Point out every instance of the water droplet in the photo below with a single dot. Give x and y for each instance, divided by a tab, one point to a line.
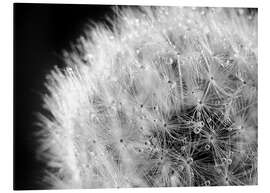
170	61
69	70
207	183
229	128
189	160
223	160
183	148
201	124
197	130
181	168
207	147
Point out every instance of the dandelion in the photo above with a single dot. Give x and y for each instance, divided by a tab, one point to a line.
168	97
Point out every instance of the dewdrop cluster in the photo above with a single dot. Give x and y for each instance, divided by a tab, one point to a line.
167	97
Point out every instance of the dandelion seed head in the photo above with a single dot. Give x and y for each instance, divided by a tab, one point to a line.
158	101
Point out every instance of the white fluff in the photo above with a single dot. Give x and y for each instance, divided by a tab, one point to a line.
167	98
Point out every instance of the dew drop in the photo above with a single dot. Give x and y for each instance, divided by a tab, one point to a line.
181	168
207	183
223	160
69	70
229	128
197	130
183	148
201	124
189	160
170	60
207	147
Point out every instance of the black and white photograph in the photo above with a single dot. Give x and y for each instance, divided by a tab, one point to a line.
134	96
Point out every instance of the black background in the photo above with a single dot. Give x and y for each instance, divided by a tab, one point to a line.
41	32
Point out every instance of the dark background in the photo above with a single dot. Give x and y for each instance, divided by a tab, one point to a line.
41	32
